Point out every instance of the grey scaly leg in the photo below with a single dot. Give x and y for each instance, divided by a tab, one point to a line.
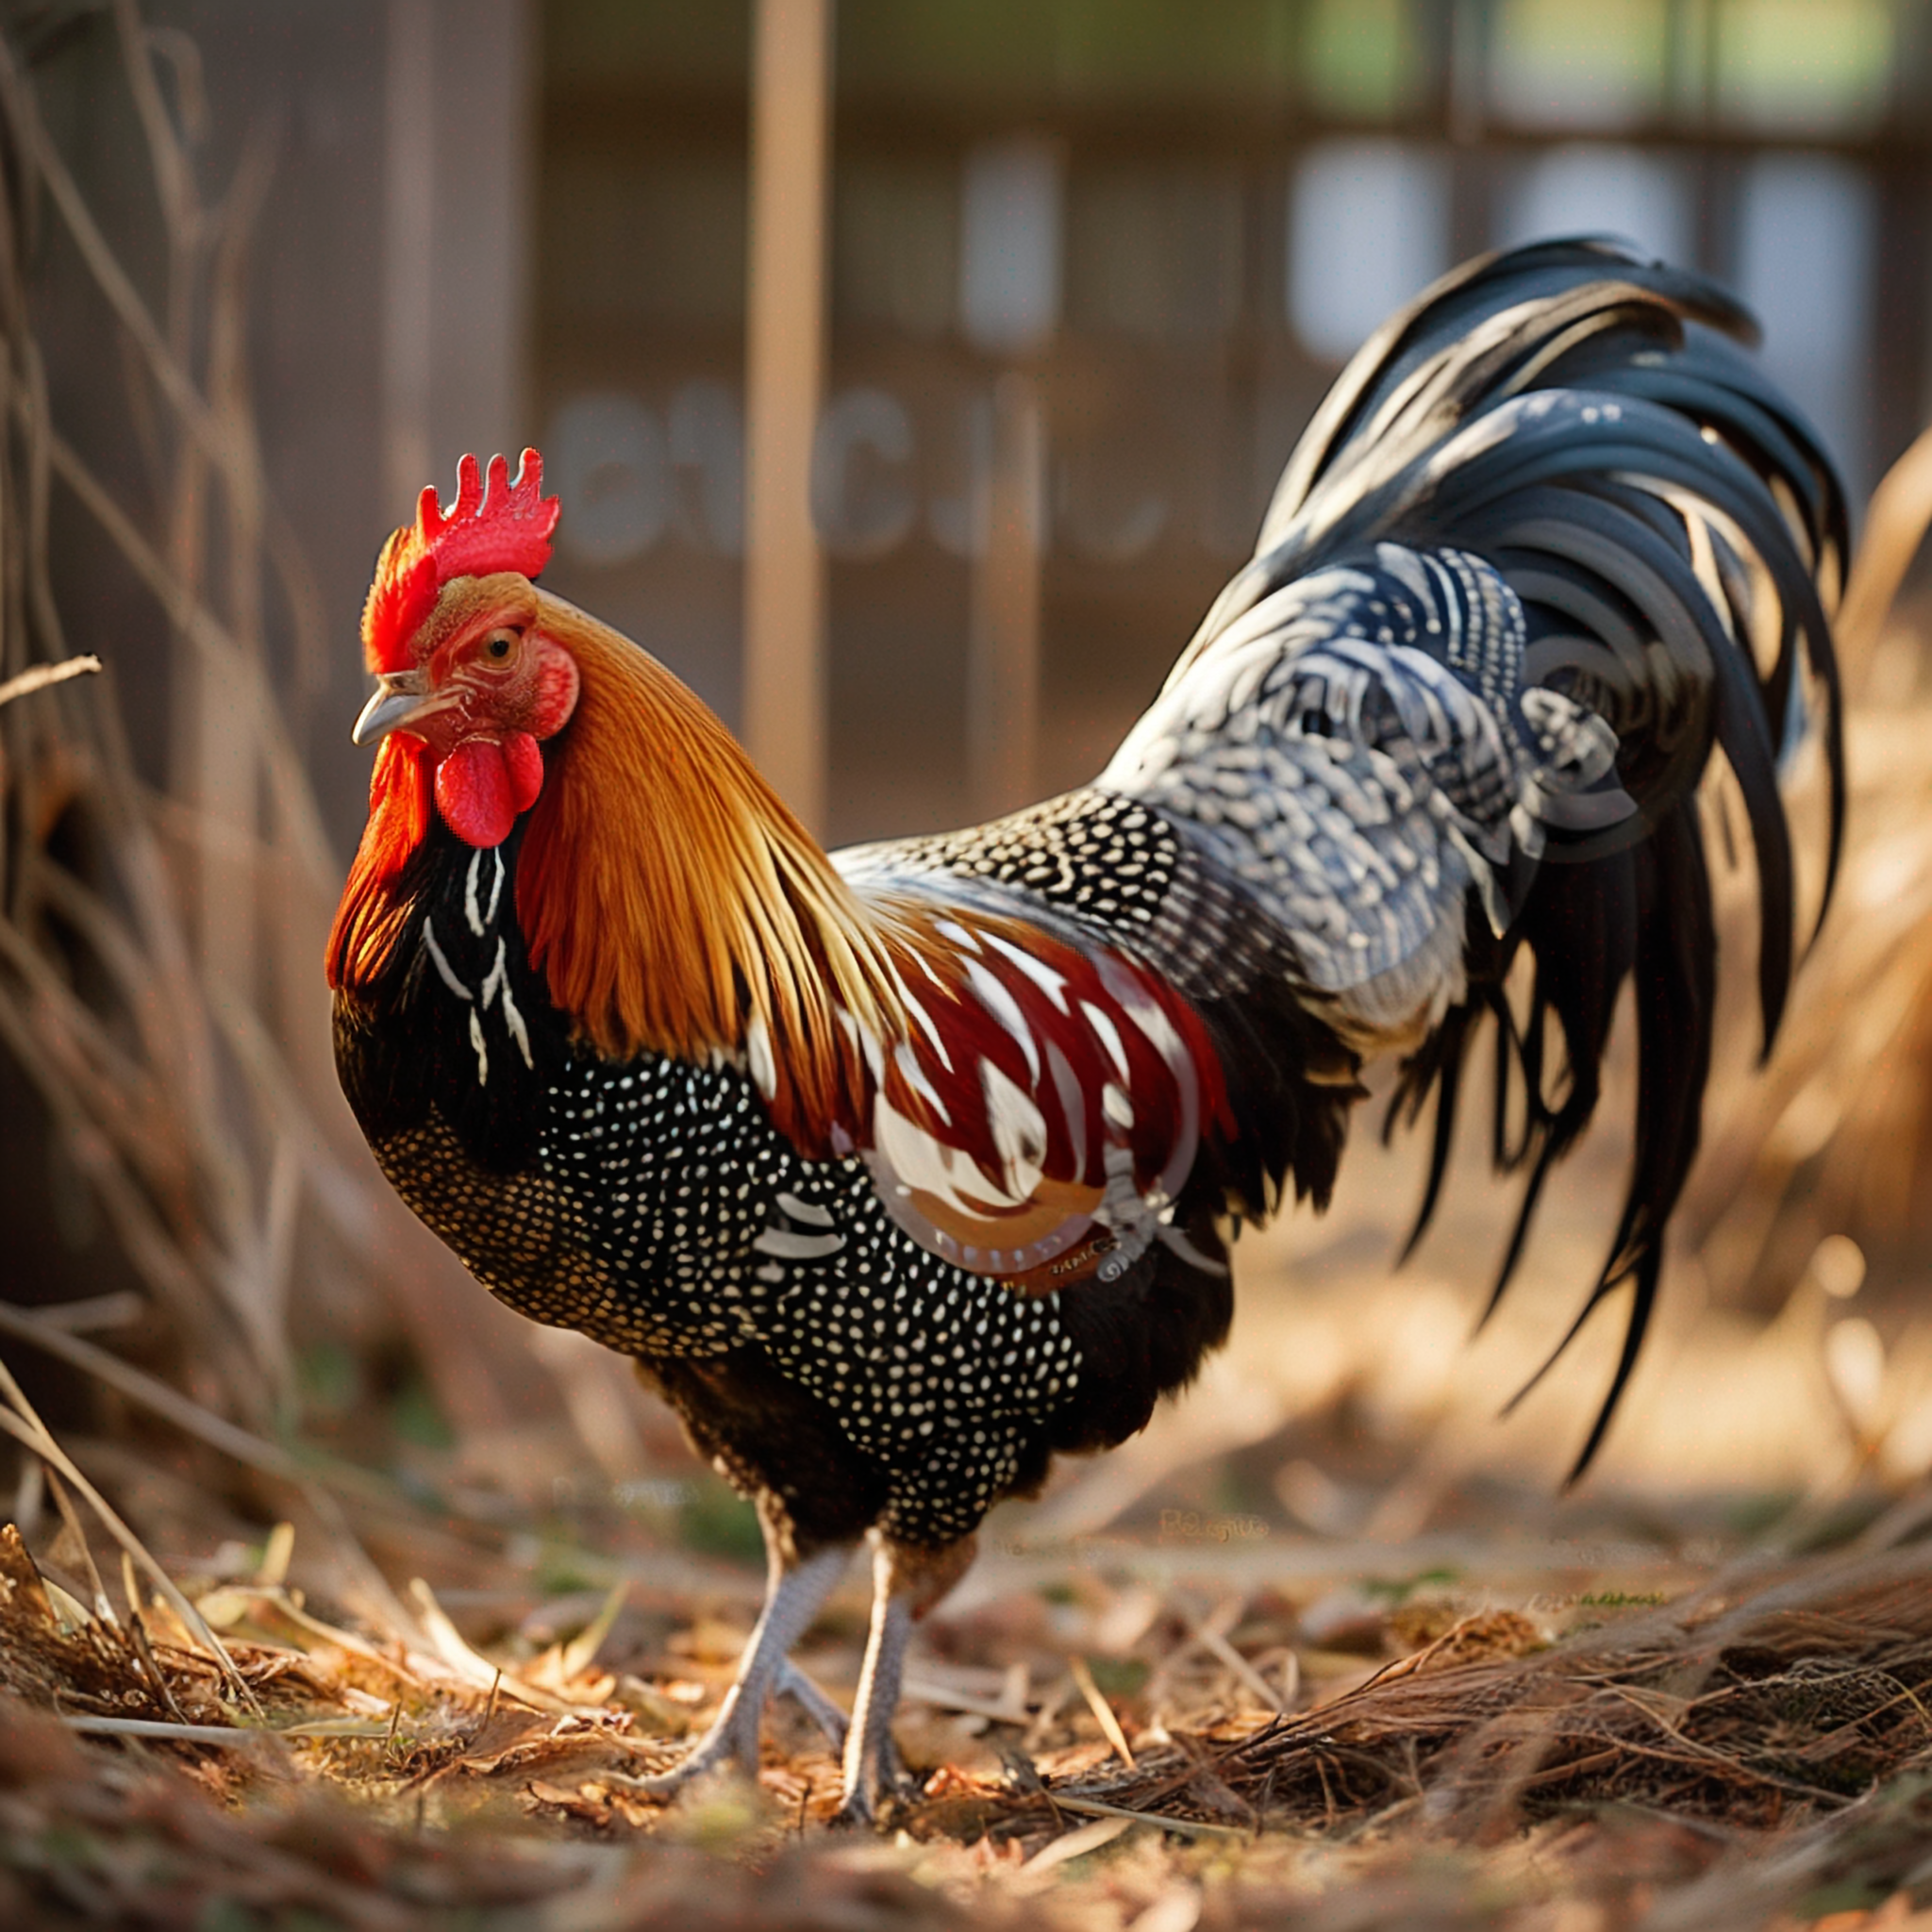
794	1684
793	1597
872	1759
907	1580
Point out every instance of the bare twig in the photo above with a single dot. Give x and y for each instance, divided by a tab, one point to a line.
154	1394
1187	1827
1895	524
1213	1637
112	279
43	675
161	1732
294	802
1103	1711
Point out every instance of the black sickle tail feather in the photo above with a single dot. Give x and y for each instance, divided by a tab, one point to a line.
1555	410
1676	976
1292	1084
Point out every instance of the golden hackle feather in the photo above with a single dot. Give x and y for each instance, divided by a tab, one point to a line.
673	902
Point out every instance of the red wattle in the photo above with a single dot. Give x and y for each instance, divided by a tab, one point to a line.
475	794
525	764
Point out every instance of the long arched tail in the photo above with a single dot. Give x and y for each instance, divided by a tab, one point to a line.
1574	417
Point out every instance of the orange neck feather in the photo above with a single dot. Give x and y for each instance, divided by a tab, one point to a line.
672	903
670	900
369	920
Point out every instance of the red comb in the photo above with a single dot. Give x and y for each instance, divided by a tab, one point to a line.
503	526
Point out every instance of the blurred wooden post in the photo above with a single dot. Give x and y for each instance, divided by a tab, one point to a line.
1003	653
1011	221
784	709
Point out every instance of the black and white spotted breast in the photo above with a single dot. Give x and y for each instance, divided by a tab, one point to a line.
653	1205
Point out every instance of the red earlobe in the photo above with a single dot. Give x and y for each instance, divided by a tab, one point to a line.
523	762
557	683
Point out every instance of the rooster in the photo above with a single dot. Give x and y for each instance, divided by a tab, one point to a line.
901	1170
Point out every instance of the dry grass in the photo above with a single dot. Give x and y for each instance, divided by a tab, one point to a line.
1755	1749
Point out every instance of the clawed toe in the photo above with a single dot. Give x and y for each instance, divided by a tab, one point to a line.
731	1744
891	1783
862	1808
695	1764
853	1816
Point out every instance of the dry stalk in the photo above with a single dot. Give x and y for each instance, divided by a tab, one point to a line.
19	1419
1895	524
1835	1136
43	675
1762	1700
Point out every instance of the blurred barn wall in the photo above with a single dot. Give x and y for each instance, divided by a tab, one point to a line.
301	84
498	220
363	351
1128	245
389	285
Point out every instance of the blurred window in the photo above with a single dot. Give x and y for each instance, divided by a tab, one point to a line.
1806	248
1368	229
1363	58
1174	218
1587	188
1554	63
1011	218
1804	66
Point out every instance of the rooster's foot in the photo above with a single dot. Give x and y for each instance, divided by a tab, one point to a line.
874	1769
732	1743
861	1807
791	1600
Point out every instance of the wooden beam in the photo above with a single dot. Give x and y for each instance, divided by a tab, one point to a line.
784	710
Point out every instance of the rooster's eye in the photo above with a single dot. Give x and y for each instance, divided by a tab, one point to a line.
499	645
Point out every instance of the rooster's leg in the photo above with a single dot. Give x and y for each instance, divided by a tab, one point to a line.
872	1758
794	1684
793	1597
907	1582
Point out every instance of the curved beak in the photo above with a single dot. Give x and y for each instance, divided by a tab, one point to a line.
401	698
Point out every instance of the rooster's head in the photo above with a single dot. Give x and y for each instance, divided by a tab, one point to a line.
465	675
